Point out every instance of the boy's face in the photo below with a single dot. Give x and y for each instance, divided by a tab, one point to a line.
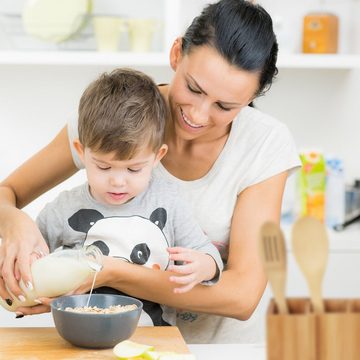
115	182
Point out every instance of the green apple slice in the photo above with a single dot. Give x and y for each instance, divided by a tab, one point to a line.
129	349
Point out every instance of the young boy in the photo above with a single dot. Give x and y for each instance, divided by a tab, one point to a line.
124	209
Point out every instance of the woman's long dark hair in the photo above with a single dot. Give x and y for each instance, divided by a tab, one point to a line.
242	33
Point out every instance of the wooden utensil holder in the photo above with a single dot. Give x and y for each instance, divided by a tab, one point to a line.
304	335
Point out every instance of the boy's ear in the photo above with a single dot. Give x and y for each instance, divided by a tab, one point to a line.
79	149
161	153
176	53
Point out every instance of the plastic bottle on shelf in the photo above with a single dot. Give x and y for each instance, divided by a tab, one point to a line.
58	273
335	192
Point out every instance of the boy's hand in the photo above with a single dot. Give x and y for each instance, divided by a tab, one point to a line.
197	267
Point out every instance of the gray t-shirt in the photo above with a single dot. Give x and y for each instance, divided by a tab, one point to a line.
139	231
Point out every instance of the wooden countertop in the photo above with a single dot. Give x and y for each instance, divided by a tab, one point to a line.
45	343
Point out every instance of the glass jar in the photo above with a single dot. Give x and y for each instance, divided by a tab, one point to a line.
59	273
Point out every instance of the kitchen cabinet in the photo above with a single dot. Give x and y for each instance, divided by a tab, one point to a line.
342	276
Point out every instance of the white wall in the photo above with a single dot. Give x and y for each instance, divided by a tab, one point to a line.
322	109
36	102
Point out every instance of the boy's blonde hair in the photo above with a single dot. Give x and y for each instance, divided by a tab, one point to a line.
122	112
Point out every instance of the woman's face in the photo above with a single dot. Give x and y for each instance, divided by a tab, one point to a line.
207	92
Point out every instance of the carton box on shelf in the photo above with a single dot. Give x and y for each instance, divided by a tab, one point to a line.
311	184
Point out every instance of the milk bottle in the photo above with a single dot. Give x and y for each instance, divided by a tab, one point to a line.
59	273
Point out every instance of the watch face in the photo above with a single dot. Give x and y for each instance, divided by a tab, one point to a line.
53	20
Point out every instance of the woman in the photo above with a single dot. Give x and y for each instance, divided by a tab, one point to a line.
231	160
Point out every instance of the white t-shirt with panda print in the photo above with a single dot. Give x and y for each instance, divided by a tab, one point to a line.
258	147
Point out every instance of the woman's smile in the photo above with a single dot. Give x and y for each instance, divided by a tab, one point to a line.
188	123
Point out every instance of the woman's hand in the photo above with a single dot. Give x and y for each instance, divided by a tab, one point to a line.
44	302
20	235
197	267
22	243
44	307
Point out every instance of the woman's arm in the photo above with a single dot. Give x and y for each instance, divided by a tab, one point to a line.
20	235
242	283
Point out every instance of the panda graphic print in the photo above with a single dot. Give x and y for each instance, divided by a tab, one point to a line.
124	237
139	232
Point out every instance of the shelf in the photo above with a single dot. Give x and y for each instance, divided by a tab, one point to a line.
83	58
323	61
93	58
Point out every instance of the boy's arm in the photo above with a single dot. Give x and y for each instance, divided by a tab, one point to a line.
201	260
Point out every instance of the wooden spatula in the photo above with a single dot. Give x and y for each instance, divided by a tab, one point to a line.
310	248
273	254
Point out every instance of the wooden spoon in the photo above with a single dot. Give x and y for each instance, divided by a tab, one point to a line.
273	254
310	248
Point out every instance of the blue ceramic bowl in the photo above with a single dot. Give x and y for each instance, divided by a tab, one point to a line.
97	331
